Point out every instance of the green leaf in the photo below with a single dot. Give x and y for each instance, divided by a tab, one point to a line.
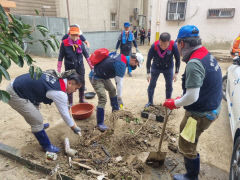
57	43
4	72
9	51
20	61
18	49
4	96
45	46
0	77
43	33
36	11
29	59
38	72
51	44
3	16
42	28
6	62
31	71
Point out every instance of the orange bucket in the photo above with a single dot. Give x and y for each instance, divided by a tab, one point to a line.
82	111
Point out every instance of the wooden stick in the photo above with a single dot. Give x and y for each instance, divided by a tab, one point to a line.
95	172
141	127
81	165
81	160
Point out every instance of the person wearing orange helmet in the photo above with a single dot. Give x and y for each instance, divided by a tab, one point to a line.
236	47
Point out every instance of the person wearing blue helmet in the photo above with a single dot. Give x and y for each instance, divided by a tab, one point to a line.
202	95
125	40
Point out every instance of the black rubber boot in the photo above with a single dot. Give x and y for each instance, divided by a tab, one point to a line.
192	166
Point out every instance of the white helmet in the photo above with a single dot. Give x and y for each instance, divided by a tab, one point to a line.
140	59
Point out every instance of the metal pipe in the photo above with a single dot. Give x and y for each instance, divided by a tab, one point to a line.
68	12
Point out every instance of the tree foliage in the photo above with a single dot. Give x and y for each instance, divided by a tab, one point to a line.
14	34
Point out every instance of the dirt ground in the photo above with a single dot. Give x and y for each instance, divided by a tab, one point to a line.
215	144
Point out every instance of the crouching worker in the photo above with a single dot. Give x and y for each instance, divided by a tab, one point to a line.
27	94
106	67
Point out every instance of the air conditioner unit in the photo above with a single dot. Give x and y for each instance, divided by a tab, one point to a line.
135	10
173	16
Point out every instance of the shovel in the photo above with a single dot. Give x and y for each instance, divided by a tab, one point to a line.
157	158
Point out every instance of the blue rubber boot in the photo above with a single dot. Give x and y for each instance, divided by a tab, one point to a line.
192	166
114	103
46	125
44	141
100	120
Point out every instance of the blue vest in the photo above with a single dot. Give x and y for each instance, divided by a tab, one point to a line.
126	44
210	95
107	69
35	90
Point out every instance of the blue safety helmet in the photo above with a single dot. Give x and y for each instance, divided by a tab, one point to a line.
188	31
127	24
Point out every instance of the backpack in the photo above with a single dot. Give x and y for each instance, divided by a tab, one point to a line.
98	56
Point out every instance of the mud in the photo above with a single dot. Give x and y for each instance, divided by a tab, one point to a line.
128	137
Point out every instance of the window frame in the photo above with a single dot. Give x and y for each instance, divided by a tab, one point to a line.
113	23
231	10
176	13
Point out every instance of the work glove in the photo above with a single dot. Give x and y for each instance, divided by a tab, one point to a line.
120	102
76	130
148	77
137	50
89	63
170	103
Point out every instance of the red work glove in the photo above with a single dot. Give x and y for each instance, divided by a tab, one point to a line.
170	103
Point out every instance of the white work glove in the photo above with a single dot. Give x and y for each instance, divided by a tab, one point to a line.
175	77
148	77
76	130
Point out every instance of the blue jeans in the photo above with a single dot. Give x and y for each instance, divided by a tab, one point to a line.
168	76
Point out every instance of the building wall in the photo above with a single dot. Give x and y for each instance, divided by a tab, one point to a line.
94	15
27	7
215	33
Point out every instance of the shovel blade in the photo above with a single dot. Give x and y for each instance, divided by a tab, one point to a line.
156	158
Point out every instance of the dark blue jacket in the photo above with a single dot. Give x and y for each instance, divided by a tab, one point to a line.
210	95
167	61
35	90
111	67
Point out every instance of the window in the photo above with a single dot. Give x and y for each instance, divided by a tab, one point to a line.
113	20
176	10
221	13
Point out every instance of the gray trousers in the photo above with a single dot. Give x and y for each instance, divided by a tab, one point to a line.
24	107
100	85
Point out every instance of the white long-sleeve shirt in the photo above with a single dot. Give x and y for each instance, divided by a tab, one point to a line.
60	99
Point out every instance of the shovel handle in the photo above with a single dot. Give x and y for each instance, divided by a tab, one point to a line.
163	129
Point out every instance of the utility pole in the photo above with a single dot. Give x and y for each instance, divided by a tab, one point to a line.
155	22
68	12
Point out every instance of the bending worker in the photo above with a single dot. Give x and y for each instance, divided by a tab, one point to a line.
125	41
110	67
73	50
202	95
162	53
236	47
27	94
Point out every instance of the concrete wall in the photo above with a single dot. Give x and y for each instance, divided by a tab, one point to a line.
94	15
58	26
215	33
27	7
